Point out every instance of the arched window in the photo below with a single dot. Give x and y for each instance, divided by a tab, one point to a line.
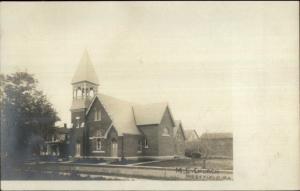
140	145
98	145
82	124
91	92
97	116
79	92
165	132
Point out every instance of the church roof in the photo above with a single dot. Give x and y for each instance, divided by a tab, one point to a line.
177	123
120	113
191	134
85	70
149	114
178	126
127	116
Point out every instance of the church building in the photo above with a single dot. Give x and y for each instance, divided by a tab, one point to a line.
107	127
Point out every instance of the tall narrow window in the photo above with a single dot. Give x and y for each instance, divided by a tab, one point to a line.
79	92
91	92
97	115
77	122
82	124
146	143
98	145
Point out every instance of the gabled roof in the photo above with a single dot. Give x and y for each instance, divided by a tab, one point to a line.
120	113
178	126
217	135
85	70
126	116
149	114
177	122
190	133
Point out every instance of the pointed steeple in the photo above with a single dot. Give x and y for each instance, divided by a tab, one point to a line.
85	71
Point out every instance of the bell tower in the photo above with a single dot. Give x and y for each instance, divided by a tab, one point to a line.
84	88
85	83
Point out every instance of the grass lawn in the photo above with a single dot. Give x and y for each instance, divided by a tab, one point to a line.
217	164
17	174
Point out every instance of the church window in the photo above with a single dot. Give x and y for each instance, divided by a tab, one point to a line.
98	145
146	143
79	92
77	121
97	116
91	92
165	132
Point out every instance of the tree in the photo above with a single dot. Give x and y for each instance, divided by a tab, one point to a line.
27	117
205	149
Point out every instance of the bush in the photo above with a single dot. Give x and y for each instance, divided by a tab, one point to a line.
196	155
188	153
192	154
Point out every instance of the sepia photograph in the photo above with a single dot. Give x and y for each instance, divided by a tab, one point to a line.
109	95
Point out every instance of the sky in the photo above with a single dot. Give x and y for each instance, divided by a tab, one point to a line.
197	56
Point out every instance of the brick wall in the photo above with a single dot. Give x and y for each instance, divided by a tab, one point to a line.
179	143
78	113
166	143
106	144
131	145
102	125
75	138
151	133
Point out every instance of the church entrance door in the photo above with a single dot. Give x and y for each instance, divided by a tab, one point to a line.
114	148
77	150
